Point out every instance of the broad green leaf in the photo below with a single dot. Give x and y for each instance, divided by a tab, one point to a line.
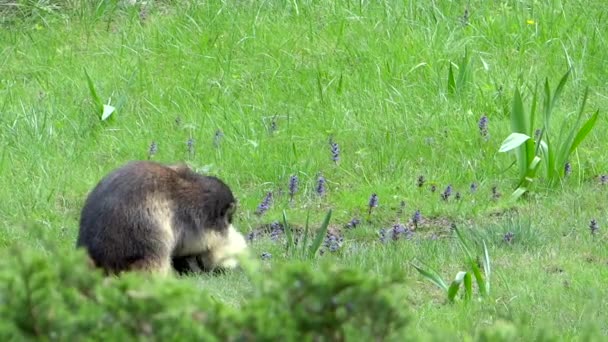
463	244
582	133
432	276
481	284
451	82
462	70
320	235
560	87
519	119
513	141
107	111
547	105
518	192
486	266
468	287
455	285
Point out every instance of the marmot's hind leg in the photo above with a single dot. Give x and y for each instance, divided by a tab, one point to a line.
158	266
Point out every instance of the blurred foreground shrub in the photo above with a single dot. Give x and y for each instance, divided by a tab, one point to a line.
53	294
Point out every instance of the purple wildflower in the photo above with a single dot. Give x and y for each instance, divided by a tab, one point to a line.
465	17
217	138
265	205
395	233
273	124
265	256
483	126
333	242
275	230
353	223
416	218
321	186
293	186
604	179
495	193
473	187
190	145
401	208
567	169
382	234
373	202
508	238
335	152
421	181
593	226
152	150
447	193
433	187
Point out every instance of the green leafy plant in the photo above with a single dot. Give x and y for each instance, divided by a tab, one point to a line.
104	110
463	278
303	250
553	149
457	84
52	294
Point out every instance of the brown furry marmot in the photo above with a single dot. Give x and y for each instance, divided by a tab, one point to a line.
146	216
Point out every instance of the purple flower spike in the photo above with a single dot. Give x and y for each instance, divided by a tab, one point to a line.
567	169
217	138
421	181
265	205
373	202
483	126
321	186
593	226
335	152
508	238
293	186
473	187
152	150
353	223
190	145
604	179
447	193
416	218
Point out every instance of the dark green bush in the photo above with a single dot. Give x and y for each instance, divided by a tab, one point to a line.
55	295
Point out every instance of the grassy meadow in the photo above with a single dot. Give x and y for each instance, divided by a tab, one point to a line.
255	91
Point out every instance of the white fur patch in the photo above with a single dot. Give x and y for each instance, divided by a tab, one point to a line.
225	248
161	211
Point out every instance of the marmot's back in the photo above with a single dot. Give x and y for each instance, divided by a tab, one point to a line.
127	217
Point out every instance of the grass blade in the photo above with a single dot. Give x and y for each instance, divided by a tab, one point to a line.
486	266
468	287
582	133
305	239
94	95
432	276
455	285
288	232
451	81
558	90
320	235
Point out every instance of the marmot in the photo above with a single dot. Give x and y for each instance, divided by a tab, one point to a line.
146	215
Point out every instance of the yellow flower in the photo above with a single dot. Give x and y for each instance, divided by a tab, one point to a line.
530	22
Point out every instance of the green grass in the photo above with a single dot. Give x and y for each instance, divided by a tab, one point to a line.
372	75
